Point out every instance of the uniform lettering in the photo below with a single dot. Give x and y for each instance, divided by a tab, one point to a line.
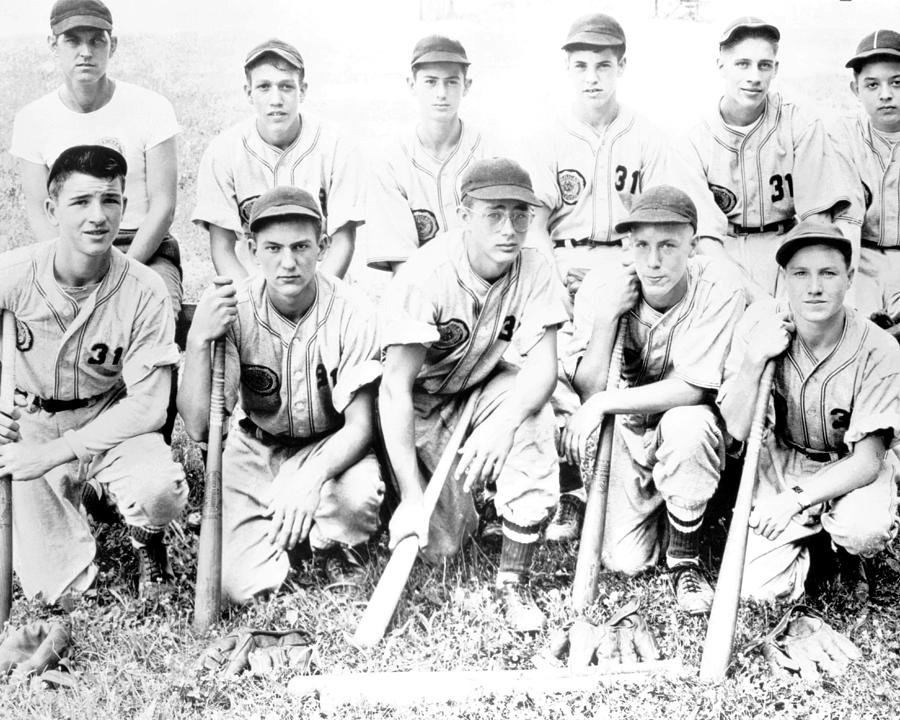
621	174
840	419
778	182
99	352
321	376
506	332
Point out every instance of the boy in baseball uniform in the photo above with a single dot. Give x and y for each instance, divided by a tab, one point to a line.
824	462
95	351
415	183
279	145
589	166
676	313
449	315
301	362
91	107
762	159
867	144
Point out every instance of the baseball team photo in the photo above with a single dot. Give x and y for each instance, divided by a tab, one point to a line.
445	358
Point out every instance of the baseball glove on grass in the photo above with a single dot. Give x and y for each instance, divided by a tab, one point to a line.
34	649
262	652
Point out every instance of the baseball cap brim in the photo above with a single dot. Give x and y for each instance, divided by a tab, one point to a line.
505	192
440	56
788	249
653	216
750	25
77	21
288	57
860	58
285	211
593	38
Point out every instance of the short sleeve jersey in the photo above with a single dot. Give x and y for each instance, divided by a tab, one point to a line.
134	121
770	172
296	379
413	196
238	166
828	404
688	341
873	165
465	323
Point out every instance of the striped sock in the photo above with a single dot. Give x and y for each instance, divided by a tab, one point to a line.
517	551
684	538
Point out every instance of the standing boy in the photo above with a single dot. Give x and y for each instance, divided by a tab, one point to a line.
279	145
95	341
868	145
301	360
449	315
823	464
676	314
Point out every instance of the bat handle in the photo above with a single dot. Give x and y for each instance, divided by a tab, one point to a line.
7	404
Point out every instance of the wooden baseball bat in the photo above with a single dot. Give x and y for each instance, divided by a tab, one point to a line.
208	590
386	595
587	566
7	402
723	616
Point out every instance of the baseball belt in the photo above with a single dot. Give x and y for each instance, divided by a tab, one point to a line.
817	455
168	247
53	405
781	226
586	242
267	438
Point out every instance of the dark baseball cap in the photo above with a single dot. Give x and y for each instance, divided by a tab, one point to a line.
498	178
68	14
812	232
285	51
283	201
660	204
880	42
91	159
438	48
595	29
740	26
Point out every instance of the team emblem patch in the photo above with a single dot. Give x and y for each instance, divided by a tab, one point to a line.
24	337
426	225
571	185
867	195
113	143
260	379
453	334
725	199
245	208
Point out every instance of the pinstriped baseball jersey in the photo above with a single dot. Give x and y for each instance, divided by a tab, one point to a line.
413	196
466	323
239	166
829	404
295	380
689	341
874	169
771	172
114	339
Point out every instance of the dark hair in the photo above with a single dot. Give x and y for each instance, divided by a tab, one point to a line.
263	223
271	58
742	34
862	62
619	50
98	161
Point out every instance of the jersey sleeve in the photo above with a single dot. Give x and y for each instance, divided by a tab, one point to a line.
216	198
25	141
840	139
877	405
390	227
359	363
541	166
146	372
740	340
815	160
346	185
587	299
408	312
160	120
546	306
690	176
233	366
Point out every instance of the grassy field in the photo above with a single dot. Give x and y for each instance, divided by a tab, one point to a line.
137	662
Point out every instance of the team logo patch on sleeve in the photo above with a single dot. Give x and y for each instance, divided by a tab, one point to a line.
260	379
725	199
426	225
245	208
24	337
571	185
454	333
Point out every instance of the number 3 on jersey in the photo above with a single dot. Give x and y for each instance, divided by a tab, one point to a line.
778	183
100	353
622	178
